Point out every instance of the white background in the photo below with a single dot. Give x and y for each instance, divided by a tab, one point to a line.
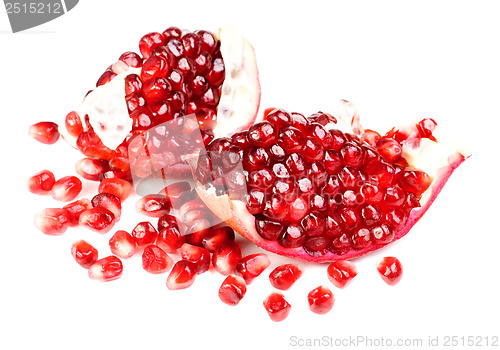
398	61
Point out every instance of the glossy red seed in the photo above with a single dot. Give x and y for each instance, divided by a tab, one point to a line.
414	180
52	221
91	169
371	137
97	219
341	273
122	244
320	300
154	67
177	192
390	149
105	78
44	132
84	253
73	124
262	134
182	275
144	233
42	182
232	290
284	276
251	266
149	42
75	209
199	256
155	260
269	229
391	270
293	237
278	117
217	237
153	205
131	59
226	257
110	202
115	186
66	188
106	269
277	307
291	139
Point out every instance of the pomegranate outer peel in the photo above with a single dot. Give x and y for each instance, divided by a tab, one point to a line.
445	159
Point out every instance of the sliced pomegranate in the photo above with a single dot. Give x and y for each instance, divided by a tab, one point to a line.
144	233
226	257
354	199
251	266
155	260
154	205
182	275
106	269
284	276
75	209
320	300
122	244
44	132
199	256
277	307
52	221
232	290
66	188
341	273
42	182
391	270
84	253
97	219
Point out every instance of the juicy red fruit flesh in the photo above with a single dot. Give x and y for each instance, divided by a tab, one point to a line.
52	221
44	132
84	253
122	244
284	276
341	273
97	219
252	266
182	275
42	182
66	188
391	270
232	290
277	307
106	269
155	260
320	300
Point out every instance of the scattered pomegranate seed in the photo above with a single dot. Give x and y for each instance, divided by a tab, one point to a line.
391	270
217	237
170	237
199	256
277	307
320	300
118	187
42	182
155	260
122	244
144	233
182	275
232	290
341	273
251	266
153	205
84	254
284	276
226	257
97	219
106	269
66	188
91	169
44	132
110	202
73	124
52	221
178	193
75	209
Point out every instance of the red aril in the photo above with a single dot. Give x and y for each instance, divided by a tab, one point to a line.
155	260
251	266
232	290
171	233
341	273
153	205
66	188
277	307
91	169
44	132
97	219
83	253
391	270
199	256
217	237
226	257
182	275
284	276
178	193
106	269
52	221
110	202
144	233
320	300
42	182
122	244
75	209
115	186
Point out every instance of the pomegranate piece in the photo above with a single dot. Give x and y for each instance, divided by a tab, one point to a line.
45	132
199	256
84	254
391	270
115	186
106	269
232	290
75	209
122	244
66	188
320	300
277	307
341	273
110	202
155	260
91	169
251	266
284	276
52	221
97	219
42	182
153	205
144	233
217	237
182	275
226	257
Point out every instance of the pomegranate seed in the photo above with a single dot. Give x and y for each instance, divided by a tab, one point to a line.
131	59
44	132
149	42
414	180
269	229
75	209
371	137
52	221
155	260
216	75
226	257
341	273
118	187
277	307
262	134
217	237
154	67
278	117
73	124
199	256
97	219
42	182
110	202
83	253
106	269
178	193
293	236
284	276
291	139
105	78
91	169
382	234
320	300
122	244
66	188
252	266
182	275
144	233
390	149
391	270
232	290
153	205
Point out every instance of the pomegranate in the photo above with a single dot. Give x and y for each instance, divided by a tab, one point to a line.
391	270
313	192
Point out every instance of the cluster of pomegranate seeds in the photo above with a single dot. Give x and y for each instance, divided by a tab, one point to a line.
312	187
391	270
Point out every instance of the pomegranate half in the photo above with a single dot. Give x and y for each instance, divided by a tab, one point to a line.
324	188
